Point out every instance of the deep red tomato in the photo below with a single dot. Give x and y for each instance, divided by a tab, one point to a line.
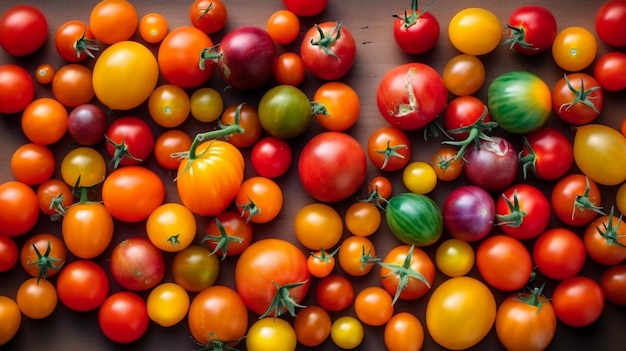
131	193
74	42
332	166
328	50
464	114
523	211
179	57
20	208
532	29
208	15
547	153
416	31
613	284
578	301
504	262
334	293
577	98
389	148
123	317
18	88
610	22
23	30
130	141
8	253
236	236
605	239
407	272
271	157
609	70
576	200
136	264
306	8
559	253
82	285
412	95
87	124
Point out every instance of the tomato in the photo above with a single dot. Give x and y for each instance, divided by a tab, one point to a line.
169	105
283	26
125	74
312	325
419	177
417	31
389	148
270	333
414	219
8	253
153	27
609	23
132	193
547	153
609	71
574	48
446	164
289	69
23	30
504	262
167	304
620	199
87	124
475	31
36	299
123	317
231	236
209	178
194	268
469	213
43	255
411	96
271	157
523	211
577	98
259	199
72	85
379	190
44	73
493	165
347	332
578	301
559	253
285	111
466	115
168	143
613	282
171	227
179	56
576	200
271	268
136	264
334	293
463	74
407	272
605	239
113	21
85	164
597	149
20	209
519	101
82	285
32	164
321	263
74	41
12	316
328	50
532	30
354	255
206	104
362	218
18	87
404	331
373	306
332	166
87	228
130	141
526	321
342	105
248	118
217	316
44	121
450	313
208	16
454	257
306	8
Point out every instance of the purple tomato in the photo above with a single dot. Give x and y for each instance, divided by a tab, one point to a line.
87	124
493	166
469	213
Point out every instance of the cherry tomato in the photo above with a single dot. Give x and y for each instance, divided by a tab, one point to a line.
576	200
74	42
613	283
322	44
194	268
523	211
82	285
342	105
417	31
318	225
609	23
289	69
87	228
208	15
44	73
547	153
379	189
312	325
605	239
574	48
362	218
609	71
306	8
347	332
446	164
248	120
113	21
504	262
123	317
84	163
454	257
207	104
321	263
153	27
271	157
43	255
23	30
236	236
259	199
169	105
283	26
475	31
578	301
32	164
559	253
404	331
271	334
171	227
130	141
169	143
354	254
389	148
577	98
18	87
12	317
8	254
531	30
419	177
20	209
36	299
373	306
407	261
334	293
463	74
44	121
167	304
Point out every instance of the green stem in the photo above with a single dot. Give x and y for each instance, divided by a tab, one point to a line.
411	19
476	132
580	96
516	215
404	273
327	40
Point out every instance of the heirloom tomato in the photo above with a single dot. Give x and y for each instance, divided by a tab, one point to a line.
74	41
373	306
504	262
347	332
169	105
389	148
82	285
407	272
112	21
532	29
269	333
217	316
576	200
598	152
578	301
153	27
414	219
547	153
559	253
136	264
463	74
451	317
306	8
454	257
132	193
130	141
12	319
124	75
411	96
32	163
574	48
18	88
404	331
209	16
87	124
8	254
475	31
228	234
289	69
20	208
613	283
609	71
355	254
207	104
523	211
605	239
469	213
194	268
577	98
272	277
419	177
271	157
87	228
328	50
283	26
169	143
610	23
259	199
168	304
43	255
23	30
171	227
248	117
285	111
36	299
362	218
334	293
83	164
179	57
123	317
519	101
44	121
417	31
312	325
342	105
493	165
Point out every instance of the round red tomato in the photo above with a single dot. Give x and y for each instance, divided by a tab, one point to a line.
74	42
328	50
23	30
532	29
136	264
523	211
179	57
547	153
168	143
465	114
577	98
20	208
334	293
271	157
18	88
130	140
578	301
123	317
8	253
417	31
208	15
559	253
504	262
610	22
609	70
306	8
228	234
605	239
389	148
613	284
576	200
82	285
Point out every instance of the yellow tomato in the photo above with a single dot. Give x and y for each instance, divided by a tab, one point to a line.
318	226
600	153
169	105
574	48
362	218
454	257
168	304
207	104
271	334
171	227
419	177
124	75
475	31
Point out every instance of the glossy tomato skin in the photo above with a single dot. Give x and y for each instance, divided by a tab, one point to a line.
54	197
318	226
74	42
194	268
605	239
404	331
342	105
389	148
239	231
168	143
609	71
332	166
532	28
32	164
469	213
8	253
82	285
578	301
534	205
87	124
328	50
463	112
53	255
44	121
574	48
12	316
463	74
493	166
113	21
577	98
559	253
136	264
123	317
20	209
504	262
259	199
207	15
306	8
168	304
610	23
613	283
130	141
415	219
312	325
419	262
576	200
334	293
410	96
475	31
23	30
37	299
72	85
284	111
87	229
132	193
179	55
597	149
271	157
18	88
171	227
547	153
417	31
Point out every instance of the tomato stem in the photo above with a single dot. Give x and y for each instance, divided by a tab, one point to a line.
582	202
211	54
581	95
534	298
390	151
516	215
325	256
121	151
411	19
86	46
404	273
44	262
517	35
283	300
327	40
205	11
476	132
222	240
529	160
251	208
610	233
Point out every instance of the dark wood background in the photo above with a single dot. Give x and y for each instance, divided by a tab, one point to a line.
370	22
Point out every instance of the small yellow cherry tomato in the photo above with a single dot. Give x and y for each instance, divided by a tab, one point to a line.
168	304
419	177
207	104
454	257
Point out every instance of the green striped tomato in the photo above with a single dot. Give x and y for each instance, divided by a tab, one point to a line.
415	219
519	101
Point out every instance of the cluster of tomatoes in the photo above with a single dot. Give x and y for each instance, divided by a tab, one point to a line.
122	205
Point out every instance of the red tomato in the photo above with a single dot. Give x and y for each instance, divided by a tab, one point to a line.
234	236
328	50
18	88
464	114
136	264
131	193
74	42
610	22
389	148
312	325
32	164
306	8
334	293
23	30
43	255
523	211
168	143
271	157
559	253
208	15
248	120
54	197
504	262
576	200
417	31
532	29
407	272
20	208
123	317
547	153
609	70
130	141
8	253
577	98
179	57
605	239
112	21
289	69
613	284
578	301
82	285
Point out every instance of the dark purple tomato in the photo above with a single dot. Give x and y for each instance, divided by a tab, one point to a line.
493	166
469	213
87	124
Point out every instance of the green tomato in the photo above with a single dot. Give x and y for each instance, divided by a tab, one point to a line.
285	111
415	219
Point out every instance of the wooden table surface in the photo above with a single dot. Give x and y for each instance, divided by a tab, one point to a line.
370	22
